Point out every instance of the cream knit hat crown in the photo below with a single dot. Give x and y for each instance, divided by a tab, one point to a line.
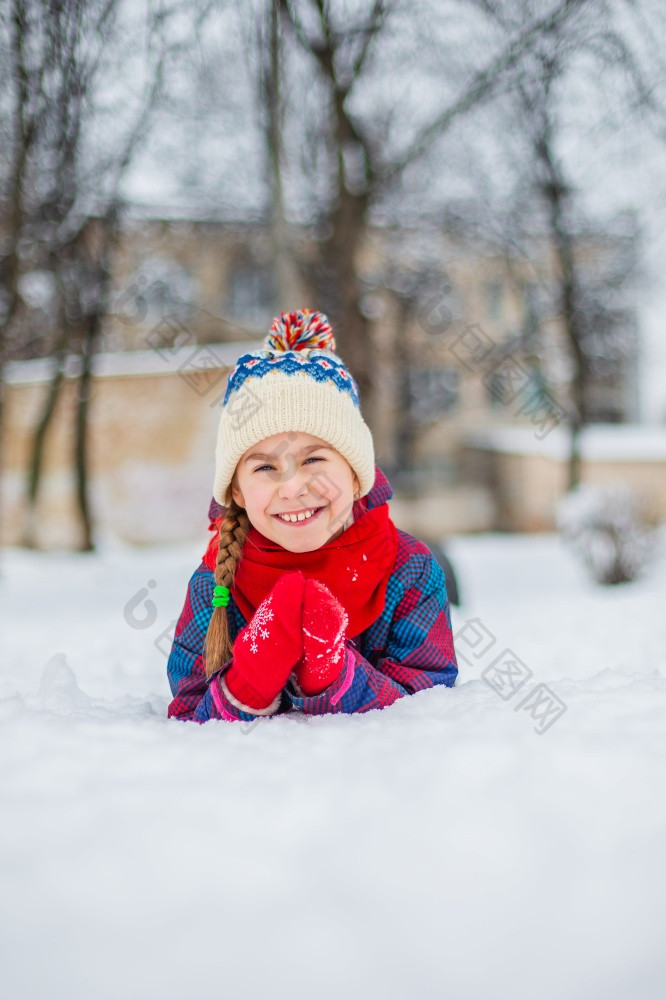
296	383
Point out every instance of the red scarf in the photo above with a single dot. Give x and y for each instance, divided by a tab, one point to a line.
355	567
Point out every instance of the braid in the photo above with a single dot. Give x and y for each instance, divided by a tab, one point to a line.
233	531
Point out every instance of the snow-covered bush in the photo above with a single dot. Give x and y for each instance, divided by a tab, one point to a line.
608	526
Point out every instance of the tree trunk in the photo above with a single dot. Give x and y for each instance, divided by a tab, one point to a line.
556	193
284	271
81	439
335	276
13	198
36	460
99	271
570	316
405	433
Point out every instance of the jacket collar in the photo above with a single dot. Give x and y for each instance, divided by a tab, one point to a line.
381	492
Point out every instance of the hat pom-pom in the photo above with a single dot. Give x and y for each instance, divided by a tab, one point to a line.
300	331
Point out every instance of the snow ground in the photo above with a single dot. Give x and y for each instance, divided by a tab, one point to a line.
440	848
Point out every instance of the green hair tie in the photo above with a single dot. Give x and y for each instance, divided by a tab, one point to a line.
220	596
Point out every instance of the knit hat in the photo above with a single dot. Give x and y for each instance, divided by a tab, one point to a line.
295	383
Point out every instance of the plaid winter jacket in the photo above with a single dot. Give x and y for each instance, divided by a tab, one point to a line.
407	649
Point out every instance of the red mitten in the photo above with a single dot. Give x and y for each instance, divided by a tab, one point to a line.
268	648
324	627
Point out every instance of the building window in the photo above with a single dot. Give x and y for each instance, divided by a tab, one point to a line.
432	392
496	390
160	288
511	387
493	291
251	294
530	294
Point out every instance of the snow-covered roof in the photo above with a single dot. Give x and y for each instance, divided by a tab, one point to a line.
600	442
166	361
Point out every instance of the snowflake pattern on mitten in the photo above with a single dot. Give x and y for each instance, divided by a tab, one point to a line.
257	628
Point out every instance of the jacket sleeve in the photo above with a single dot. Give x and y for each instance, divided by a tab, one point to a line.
195	696
410	648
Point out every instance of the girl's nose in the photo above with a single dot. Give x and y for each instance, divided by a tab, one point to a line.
293	486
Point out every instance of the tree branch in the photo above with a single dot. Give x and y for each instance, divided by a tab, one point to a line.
483	84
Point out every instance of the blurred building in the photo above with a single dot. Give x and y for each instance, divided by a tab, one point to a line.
466	344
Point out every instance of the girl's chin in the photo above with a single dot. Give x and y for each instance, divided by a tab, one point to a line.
293	547
303	540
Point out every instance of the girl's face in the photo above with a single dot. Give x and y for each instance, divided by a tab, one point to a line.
296	490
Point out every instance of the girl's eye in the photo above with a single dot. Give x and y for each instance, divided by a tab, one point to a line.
311	458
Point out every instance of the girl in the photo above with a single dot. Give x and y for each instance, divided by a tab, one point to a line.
307	599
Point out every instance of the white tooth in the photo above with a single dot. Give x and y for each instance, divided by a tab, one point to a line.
298	517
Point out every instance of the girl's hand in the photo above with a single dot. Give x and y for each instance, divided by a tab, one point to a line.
324	628
268	648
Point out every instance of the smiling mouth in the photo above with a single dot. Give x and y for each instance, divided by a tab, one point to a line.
302	517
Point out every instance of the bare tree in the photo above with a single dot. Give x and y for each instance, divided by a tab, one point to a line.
264	53
592	273
337	147
62	192
367	166
21	122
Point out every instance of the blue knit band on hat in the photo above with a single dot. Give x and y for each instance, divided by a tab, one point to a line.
321	366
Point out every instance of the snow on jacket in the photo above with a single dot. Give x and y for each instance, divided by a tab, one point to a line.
408	648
